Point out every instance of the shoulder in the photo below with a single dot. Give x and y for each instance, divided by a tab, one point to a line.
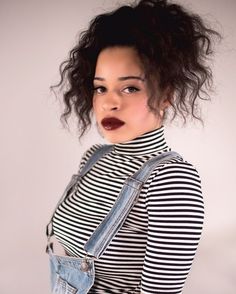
176	166
174	176
89	152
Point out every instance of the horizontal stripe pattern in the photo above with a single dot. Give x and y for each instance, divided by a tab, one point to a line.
154	249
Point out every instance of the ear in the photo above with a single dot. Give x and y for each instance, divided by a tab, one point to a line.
167	97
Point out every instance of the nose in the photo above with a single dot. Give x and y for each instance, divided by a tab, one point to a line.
111	103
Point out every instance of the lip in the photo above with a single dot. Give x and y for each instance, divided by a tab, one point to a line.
111	123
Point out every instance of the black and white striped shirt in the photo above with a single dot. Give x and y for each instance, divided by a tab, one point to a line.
154	249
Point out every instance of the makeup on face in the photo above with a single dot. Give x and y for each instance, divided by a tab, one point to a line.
111	123
120	100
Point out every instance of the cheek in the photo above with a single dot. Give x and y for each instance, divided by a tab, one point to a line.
141	108
95	105
143	114
93	101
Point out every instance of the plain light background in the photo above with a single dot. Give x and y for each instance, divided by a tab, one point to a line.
37	156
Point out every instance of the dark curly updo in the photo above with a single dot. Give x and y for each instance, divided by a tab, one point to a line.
173	46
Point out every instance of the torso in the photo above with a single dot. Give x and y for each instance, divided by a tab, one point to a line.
120	267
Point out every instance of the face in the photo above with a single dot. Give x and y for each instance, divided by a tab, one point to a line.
120	100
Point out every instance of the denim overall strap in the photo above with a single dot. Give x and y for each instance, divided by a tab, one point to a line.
95	157
74	180
128	196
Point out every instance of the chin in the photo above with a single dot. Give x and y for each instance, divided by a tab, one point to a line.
118	139
113	141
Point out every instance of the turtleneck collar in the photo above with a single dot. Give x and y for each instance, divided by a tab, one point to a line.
150	142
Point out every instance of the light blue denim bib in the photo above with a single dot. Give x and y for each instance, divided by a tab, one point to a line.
71	275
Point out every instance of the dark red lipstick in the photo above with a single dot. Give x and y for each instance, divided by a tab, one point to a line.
111	123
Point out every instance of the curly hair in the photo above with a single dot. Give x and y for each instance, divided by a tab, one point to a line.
173	44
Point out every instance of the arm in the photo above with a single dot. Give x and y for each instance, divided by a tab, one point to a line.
175	218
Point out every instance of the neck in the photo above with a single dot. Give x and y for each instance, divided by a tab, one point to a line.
150	142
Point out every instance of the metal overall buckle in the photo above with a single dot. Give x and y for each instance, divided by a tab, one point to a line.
85	264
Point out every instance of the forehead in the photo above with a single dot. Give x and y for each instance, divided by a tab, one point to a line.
118	60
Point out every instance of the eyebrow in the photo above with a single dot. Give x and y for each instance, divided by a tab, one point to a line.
123	78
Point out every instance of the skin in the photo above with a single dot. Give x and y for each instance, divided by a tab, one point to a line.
120	91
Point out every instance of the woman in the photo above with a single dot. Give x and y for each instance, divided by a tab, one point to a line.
131	68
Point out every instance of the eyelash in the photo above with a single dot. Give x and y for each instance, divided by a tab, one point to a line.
131	89
96	89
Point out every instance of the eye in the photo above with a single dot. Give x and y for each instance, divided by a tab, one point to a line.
131	89
99	90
